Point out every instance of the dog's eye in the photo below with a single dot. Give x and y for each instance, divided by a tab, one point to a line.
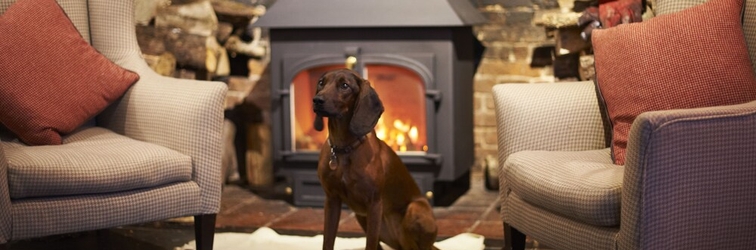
344	86
320	83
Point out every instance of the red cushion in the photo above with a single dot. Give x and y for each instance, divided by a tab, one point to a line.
52	79
688	59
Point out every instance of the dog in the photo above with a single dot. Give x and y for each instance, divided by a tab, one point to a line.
358	169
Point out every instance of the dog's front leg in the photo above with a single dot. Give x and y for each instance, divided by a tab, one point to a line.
373	230
331	226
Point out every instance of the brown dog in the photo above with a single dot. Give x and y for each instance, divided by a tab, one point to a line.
358	169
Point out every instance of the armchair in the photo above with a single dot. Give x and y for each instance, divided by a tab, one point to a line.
687	182
152	155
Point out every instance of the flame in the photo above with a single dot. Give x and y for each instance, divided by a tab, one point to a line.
413	134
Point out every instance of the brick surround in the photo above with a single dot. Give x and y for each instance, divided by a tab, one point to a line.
510	36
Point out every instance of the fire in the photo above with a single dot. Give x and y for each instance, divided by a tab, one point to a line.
402	136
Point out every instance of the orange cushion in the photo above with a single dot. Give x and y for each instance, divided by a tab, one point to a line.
684	60
52	80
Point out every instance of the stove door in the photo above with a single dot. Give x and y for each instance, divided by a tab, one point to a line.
403	125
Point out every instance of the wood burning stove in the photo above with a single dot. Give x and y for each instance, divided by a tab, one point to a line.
421	66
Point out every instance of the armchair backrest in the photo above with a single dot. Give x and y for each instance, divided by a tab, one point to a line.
749	29
75	9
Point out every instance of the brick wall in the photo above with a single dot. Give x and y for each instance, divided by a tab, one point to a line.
509	37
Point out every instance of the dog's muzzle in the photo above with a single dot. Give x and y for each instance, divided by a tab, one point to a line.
318	106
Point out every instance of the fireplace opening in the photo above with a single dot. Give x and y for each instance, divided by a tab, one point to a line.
420	64
402	91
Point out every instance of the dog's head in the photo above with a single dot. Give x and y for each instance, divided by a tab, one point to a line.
344	94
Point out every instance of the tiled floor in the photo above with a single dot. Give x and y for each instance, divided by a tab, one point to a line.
244	211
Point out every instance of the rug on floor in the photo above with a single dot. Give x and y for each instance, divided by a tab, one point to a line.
266	238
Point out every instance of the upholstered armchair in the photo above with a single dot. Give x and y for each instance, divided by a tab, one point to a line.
688	180
153	154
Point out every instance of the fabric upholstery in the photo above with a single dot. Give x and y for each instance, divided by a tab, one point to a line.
686	176
75	10
710	63
553	117
92	161
53	81
688	173
68	214
749	30
582	185
663	7
5	203
148	110
556	231
181	115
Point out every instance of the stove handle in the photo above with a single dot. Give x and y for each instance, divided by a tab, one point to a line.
280	95
434	94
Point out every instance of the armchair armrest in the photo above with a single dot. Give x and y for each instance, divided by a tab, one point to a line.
183	115
689	175
548	116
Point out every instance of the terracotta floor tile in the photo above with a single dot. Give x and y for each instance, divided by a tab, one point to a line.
303	219
449	228
255	213
490	229
459	213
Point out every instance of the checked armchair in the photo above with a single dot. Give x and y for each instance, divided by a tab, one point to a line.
153	154
689	175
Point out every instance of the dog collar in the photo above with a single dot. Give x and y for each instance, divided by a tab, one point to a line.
345	150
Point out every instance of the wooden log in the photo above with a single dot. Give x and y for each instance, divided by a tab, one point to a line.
194	51
163	64
145	10
234	44
259	163
194	18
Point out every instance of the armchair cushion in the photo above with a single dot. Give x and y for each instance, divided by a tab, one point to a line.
53	80
582	185
688	59
92	160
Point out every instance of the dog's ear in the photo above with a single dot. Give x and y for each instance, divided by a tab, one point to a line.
367	109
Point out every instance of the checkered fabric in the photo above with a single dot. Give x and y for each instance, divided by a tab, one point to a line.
76	11
749	30
553	117
554	230
67	214
582	185
749	19
689	181
92	161
182	115
5	203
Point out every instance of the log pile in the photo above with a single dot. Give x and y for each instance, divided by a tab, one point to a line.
214	40
197	37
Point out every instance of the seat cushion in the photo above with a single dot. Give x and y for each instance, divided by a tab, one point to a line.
582	185
92	160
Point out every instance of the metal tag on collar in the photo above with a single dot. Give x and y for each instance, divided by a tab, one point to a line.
332	162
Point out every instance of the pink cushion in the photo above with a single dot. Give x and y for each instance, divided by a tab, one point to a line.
52	79
684	60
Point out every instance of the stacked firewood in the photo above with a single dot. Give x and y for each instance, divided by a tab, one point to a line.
194	39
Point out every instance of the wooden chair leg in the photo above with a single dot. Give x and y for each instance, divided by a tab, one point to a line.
204	231
513	239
